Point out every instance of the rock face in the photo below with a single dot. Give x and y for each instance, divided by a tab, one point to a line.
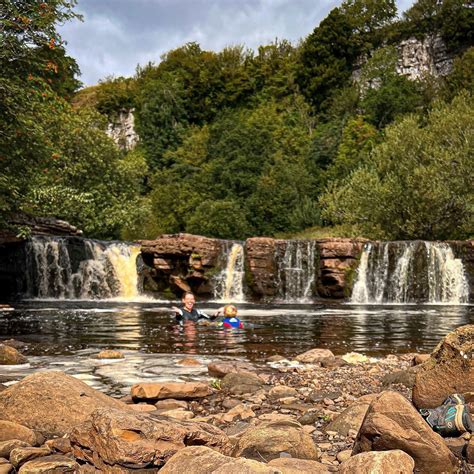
392	423
52	402
270	439
449	370
388	462
181	262
122	129
202	460
137	440
177	390
10	356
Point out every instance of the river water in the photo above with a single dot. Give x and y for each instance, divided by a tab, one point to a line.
67	335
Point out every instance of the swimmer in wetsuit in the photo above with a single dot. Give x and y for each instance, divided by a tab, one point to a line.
188	312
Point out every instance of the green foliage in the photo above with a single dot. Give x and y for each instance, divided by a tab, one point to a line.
417	183
115	94
462	75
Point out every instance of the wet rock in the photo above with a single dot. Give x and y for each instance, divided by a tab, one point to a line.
282	391
6	447
10	356
352	417
21	455
56	463
386	462
10	430
298	466
202	460
314	356
177	390
392	423
137	440
452	363
171	404
269	439
110	354
52	402
241	382
221	369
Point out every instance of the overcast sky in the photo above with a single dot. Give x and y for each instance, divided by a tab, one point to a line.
116	35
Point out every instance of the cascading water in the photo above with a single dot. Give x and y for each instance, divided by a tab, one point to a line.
229	284
410	272
69	268
297	271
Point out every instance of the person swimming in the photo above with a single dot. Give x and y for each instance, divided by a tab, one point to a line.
230	317
188	312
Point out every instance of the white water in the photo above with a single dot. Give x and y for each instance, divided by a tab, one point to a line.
443	274
297	271
229	284
102	270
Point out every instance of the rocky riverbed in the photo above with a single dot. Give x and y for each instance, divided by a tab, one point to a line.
316	413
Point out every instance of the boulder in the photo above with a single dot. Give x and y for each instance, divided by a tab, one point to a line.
221	369
178	414
393	423
352	417
5	466
420	358
377	462
110	354
269	439
10	356
63	445
403	377
9	430
54	464
52	402
282	391
119	438
6	447
298	466
171	404
239	383
153	392
202	460
314	356
19	456
457	446
452	363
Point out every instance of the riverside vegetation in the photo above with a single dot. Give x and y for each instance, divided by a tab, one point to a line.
238	143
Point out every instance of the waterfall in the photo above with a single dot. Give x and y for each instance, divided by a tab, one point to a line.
229	284
70	268
297	271
410	272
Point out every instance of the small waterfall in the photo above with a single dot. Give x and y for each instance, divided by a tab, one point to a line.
70	268
297	271
410	272
229	284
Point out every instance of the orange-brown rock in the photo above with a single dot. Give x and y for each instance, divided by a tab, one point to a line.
54	464
110	354
10	356
269	439
450	369
239	383
6	447
52	402
139	440
314	356
19	456
176	390
393	423
9	430
298	466
221	369
378	462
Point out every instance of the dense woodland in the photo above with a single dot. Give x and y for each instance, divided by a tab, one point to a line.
280	141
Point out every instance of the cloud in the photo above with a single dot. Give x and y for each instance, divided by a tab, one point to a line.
116	35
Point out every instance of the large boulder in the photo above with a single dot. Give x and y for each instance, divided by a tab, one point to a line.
450	369
392	423
314	356
269	439
9	430
176	390
202	460
119	438
377	462
10	356
52	402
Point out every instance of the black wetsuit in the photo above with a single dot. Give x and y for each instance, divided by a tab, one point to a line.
194	315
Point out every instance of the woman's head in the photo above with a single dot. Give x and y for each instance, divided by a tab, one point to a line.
188	300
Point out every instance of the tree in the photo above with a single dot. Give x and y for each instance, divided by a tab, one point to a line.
417	184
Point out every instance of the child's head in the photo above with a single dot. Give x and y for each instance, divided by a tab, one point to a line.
230	311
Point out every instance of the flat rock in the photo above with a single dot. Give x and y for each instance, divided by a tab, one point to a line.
54	464
19	456
176	390
297	466
393	423
202	460
9	430
314	356
282	391
138	440
171	404
178	414
10	356
6	447
452	363
386	462
110	354
269	439
52	402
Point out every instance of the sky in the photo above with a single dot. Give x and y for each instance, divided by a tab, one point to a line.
116	35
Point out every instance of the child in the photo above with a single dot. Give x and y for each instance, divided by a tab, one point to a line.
230	317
